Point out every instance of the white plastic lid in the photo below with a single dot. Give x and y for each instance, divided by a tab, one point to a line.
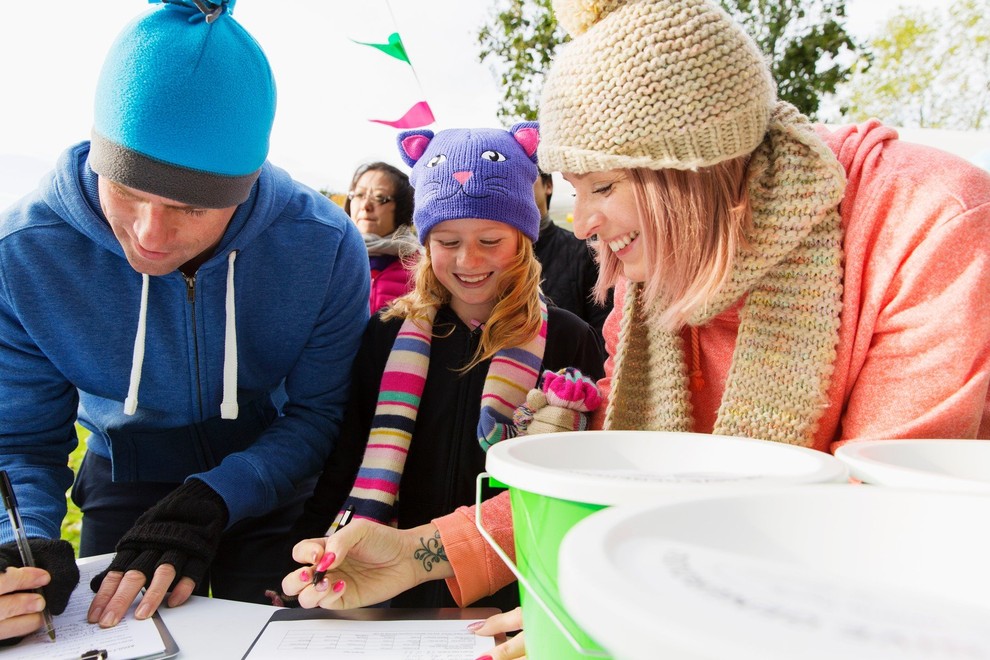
947	465
616	467
828	571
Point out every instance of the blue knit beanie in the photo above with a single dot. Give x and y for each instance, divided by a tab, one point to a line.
184	105
474	173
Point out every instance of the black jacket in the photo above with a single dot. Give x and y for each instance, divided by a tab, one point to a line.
444	455
569	275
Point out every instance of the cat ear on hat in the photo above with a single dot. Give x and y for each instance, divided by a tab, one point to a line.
527	134
413	144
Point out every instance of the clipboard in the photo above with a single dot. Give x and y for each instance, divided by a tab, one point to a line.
171	648
70	644
377	614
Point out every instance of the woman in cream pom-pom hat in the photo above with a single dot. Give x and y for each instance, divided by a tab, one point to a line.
779	280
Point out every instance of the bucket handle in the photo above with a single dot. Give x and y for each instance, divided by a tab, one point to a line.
541	599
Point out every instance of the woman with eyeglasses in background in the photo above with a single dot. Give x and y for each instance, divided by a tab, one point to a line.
380	202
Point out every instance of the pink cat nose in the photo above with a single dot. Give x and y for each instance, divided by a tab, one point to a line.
462	176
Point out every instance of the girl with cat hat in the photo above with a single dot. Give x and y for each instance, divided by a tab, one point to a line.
442	369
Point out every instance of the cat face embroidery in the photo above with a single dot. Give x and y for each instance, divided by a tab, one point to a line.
473	173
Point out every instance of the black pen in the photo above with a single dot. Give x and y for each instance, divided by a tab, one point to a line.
342	519
10	503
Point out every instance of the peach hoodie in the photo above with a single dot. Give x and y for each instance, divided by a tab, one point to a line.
913	359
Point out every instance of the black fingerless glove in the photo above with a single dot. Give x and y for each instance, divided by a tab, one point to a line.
183	530
53	555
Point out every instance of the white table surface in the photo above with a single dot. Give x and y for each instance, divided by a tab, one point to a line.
213	628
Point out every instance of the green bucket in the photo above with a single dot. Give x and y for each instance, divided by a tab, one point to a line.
556	480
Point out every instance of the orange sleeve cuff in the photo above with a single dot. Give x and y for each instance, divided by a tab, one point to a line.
478	571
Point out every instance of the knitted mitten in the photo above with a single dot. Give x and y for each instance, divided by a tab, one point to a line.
183	530
559	403
53	555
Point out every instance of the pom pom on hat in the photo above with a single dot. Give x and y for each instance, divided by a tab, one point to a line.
654	84
559	403
576	16
184	106
483	173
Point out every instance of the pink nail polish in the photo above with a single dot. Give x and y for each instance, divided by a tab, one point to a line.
322	585
326	561
485	657
305	576
476	625
338	586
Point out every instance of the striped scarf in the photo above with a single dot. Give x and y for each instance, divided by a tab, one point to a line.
511	374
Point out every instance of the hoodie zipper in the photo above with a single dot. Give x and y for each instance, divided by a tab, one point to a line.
191	297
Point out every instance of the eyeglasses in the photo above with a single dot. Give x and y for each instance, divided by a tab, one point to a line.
377	199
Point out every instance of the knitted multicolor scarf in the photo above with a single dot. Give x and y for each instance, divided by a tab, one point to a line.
511	374
791	276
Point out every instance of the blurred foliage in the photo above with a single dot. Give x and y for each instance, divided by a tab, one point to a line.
805	41
519	41
930	69
72	524
337	198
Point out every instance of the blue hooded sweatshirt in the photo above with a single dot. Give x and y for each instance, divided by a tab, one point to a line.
286	326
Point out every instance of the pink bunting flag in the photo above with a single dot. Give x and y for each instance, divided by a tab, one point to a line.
417	116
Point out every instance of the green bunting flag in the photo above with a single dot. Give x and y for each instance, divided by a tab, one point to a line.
393	48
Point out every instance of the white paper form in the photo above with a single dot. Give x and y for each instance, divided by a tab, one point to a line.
73	635
441	639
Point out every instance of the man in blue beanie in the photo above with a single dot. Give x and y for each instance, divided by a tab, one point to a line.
191	306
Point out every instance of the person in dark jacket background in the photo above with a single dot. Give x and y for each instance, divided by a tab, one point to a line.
569	267
474	322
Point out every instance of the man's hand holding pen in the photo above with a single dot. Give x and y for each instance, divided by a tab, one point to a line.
36	576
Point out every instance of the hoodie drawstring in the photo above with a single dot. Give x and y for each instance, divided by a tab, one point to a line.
137	361
228	406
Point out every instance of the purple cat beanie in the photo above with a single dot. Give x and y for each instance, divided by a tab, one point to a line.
483	173
184	105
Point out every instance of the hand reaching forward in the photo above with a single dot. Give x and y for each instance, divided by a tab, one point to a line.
505	622
367	563
169	548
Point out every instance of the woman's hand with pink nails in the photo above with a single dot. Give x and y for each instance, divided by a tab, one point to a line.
370	564
504	623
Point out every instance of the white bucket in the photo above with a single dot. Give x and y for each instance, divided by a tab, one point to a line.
558	479
812	573
946	465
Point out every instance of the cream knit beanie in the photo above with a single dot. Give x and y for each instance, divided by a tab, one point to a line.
654	84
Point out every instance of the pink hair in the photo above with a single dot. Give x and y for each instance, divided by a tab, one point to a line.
693	224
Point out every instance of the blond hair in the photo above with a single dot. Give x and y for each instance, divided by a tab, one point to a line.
694	223
514	321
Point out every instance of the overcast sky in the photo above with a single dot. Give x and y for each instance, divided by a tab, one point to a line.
328	86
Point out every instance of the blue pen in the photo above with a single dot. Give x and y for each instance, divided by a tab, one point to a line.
10	503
